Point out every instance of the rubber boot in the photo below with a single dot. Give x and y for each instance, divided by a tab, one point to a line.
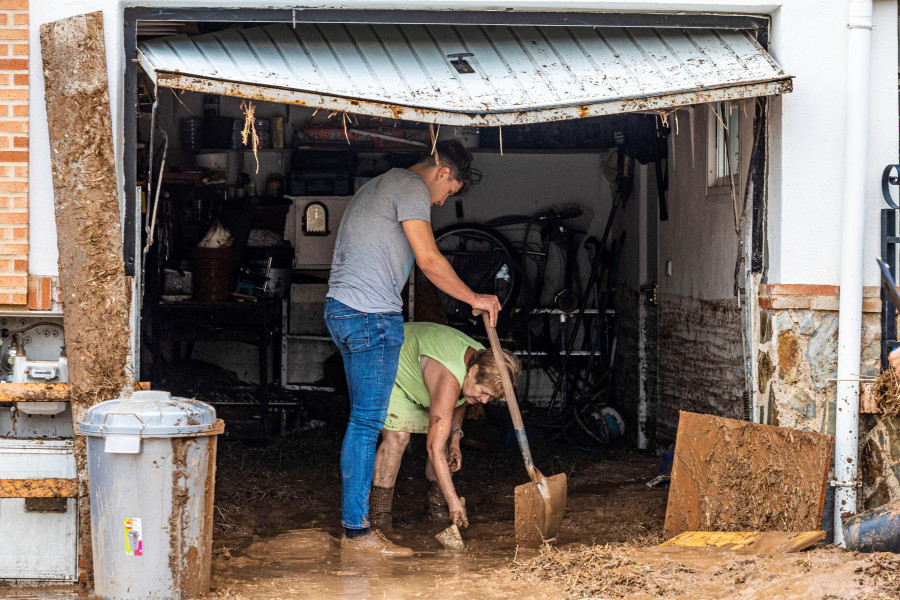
436	505
381	501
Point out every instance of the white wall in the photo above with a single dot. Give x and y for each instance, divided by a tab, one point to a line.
805	197
699	238
808	39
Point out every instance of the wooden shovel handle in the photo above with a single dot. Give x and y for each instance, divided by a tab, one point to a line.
509	393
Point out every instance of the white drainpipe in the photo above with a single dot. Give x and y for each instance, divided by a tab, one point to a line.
856	123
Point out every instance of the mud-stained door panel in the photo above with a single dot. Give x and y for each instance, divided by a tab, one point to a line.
468	74
94	289
731	475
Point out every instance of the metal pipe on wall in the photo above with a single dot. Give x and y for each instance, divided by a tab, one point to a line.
852	230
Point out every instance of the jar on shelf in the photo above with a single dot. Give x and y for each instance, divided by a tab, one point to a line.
264	131
273	186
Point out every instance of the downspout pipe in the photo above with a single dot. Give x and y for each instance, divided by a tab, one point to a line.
856	120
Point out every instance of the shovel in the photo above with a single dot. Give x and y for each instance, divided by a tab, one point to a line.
540	504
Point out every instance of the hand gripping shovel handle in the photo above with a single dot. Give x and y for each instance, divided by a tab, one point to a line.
510	394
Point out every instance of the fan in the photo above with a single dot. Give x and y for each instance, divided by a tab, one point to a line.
609	165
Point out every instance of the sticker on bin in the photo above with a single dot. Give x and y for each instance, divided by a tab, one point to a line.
134	544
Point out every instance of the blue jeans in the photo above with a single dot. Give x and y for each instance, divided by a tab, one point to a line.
370	345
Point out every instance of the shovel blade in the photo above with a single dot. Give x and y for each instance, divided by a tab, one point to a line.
540	507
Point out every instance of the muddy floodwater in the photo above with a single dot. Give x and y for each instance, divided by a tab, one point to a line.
277	534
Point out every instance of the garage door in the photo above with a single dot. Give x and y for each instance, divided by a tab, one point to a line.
469	75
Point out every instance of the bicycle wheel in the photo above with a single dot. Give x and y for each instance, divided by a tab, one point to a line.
484	259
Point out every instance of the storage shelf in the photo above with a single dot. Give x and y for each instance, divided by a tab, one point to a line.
539	150
210	150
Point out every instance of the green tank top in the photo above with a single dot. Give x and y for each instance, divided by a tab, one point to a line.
439	342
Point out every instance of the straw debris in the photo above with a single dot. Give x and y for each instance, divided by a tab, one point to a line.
591	571
887	393
249	136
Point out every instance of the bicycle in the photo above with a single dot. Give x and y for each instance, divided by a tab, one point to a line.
532	297
489	263
485	261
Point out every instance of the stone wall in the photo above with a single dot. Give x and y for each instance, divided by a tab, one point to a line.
797	367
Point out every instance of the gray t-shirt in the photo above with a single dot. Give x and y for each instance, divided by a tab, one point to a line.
372	256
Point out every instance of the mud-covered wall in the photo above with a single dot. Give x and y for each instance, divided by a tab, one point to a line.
700	360
698	341
627	366
797	366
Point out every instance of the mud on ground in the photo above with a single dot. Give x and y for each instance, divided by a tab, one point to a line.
278	513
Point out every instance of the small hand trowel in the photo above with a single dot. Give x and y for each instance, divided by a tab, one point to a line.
450	537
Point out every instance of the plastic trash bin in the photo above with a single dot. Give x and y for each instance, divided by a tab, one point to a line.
152	467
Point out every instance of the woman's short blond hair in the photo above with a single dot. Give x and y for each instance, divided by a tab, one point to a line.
489	375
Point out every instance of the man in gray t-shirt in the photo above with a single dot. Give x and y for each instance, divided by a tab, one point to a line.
372	257
385	228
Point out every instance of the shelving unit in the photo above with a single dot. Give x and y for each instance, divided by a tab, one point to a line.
286	338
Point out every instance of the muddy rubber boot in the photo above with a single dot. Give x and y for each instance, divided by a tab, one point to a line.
376	543
381	501
436	505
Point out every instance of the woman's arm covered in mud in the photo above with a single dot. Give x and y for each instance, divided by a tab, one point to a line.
454	453
444	391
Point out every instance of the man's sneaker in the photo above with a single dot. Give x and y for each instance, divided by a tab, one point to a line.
374	541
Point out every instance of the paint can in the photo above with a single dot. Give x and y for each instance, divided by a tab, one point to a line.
211	273
273	186
282	260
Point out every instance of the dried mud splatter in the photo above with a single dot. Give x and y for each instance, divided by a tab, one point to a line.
95	293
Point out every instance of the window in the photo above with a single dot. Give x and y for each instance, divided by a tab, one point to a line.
723	158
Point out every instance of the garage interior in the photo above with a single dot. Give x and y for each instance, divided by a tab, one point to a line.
625	242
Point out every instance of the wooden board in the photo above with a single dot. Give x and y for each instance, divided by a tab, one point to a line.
34	392
38	488
95	292
755	542
730	475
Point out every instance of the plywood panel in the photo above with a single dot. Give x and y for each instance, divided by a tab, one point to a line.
730	475
757	542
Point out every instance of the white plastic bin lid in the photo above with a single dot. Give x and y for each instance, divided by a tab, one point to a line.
151	414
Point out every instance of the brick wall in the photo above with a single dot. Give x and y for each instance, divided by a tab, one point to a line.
13	152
